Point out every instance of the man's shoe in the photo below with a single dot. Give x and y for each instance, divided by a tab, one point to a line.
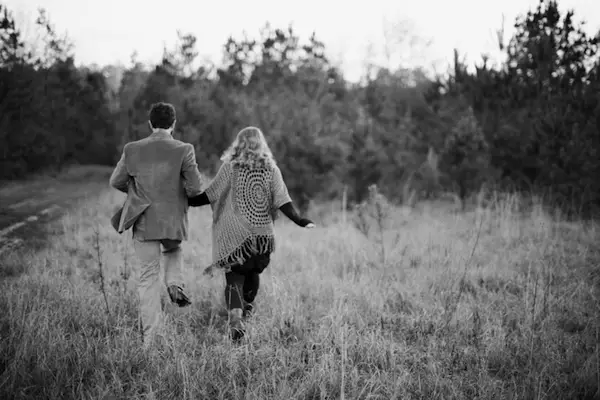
236	326
178	296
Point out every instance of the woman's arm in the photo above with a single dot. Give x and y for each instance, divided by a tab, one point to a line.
214	189
283	201
290	212
200	200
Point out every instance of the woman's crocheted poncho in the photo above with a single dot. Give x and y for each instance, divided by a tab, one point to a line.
242	200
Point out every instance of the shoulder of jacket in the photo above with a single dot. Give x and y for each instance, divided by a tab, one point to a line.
131	145
136	143
183	145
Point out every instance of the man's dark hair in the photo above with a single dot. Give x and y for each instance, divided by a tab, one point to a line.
162	115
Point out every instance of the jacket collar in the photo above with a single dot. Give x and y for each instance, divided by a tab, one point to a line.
161	134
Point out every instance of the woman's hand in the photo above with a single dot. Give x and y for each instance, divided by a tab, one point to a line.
306	223
290	212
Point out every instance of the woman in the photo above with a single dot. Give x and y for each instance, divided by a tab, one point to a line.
244	196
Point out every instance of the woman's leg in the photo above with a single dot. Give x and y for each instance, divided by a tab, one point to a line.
252	281
233	290
233	297
251	284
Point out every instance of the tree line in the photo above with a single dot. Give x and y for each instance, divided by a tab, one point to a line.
531	124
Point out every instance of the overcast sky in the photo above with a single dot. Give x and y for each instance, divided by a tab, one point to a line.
109	31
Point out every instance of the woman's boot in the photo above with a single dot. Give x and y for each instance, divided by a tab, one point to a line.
236	325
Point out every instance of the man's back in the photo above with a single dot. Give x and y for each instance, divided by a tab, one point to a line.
158	173
165	170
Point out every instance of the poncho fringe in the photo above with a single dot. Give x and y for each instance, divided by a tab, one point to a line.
253	245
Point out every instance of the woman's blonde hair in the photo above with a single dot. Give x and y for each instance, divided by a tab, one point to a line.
249	149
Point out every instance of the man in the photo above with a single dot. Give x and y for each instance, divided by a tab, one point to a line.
158	173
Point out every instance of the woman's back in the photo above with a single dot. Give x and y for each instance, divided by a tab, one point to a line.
252	194
243	198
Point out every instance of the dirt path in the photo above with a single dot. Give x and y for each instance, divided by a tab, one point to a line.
27	205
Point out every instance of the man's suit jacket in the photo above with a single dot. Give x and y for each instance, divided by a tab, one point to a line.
135	204
158	173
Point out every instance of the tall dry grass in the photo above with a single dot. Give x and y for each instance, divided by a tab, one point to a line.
496	303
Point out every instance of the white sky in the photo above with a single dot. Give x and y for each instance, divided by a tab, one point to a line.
109	31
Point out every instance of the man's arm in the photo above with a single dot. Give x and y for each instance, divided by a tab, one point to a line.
192	180
120	176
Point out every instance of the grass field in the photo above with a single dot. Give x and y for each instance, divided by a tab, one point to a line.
496	303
